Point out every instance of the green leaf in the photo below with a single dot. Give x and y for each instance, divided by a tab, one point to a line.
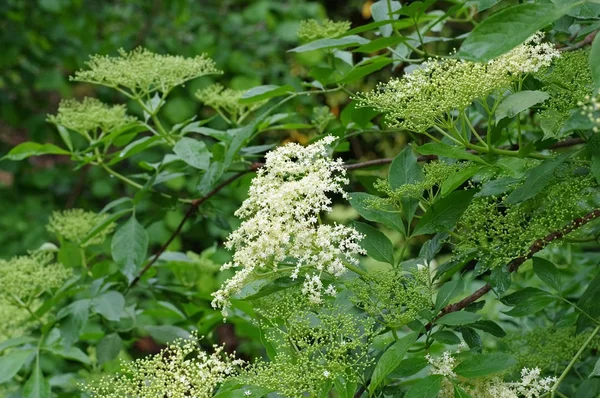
589	301
447	151
77	314
536	180
458	318
448	291
381	12
390	359
343	42
500	279
427	387
508	28
72	353
110	305
11	363
490	327
457	179
446	337
496	187
364	69
547	272
409	367
196	127
594	147
522	295
136	147
193	152
37	386
518	102
28	149
379	44
166	333
531	306
265	92
361	202
460	393
129	246
108	348
405	169
444	213
15	342
375	243
596	370
64	134
471	337
484	364
595	62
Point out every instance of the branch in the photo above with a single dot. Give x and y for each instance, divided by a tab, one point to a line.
193	207
517	262
588	40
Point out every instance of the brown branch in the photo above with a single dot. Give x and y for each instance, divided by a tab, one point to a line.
588	40
193	207
517	262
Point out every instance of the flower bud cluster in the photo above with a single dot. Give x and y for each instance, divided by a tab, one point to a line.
591	108
90	116
75	224
427	96
181	370
311	29
142	71
281	223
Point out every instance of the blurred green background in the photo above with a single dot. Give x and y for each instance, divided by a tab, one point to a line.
43	42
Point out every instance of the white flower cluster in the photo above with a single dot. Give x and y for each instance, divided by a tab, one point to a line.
426	96
531	384
281	223
181	370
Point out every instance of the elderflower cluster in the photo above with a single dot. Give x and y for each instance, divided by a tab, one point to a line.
590	108
90	115
23	278
531	385
181	370
311	29
75	224
427	96
142	71
281	223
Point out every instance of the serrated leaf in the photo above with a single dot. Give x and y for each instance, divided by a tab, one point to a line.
365	69
265	92
458	318
536	180
444	213
500	279
379	44
136	147
193	152
547	272
27	149
484	364
531	306
36	386
455	180
405	169
390	359
196	127
518	102
446	337
15	342
76	315
589	301
129	246
427	387
596	371
11	363
375	243
595	62
508	28
360	201
490	327
343	42
522	295
447	292
166	333
71	353
110	305
108	348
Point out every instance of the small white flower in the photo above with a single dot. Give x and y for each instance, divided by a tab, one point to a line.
247	392
326	373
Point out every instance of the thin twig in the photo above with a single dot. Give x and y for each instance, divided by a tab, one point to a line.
516	263
588	40
193	207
